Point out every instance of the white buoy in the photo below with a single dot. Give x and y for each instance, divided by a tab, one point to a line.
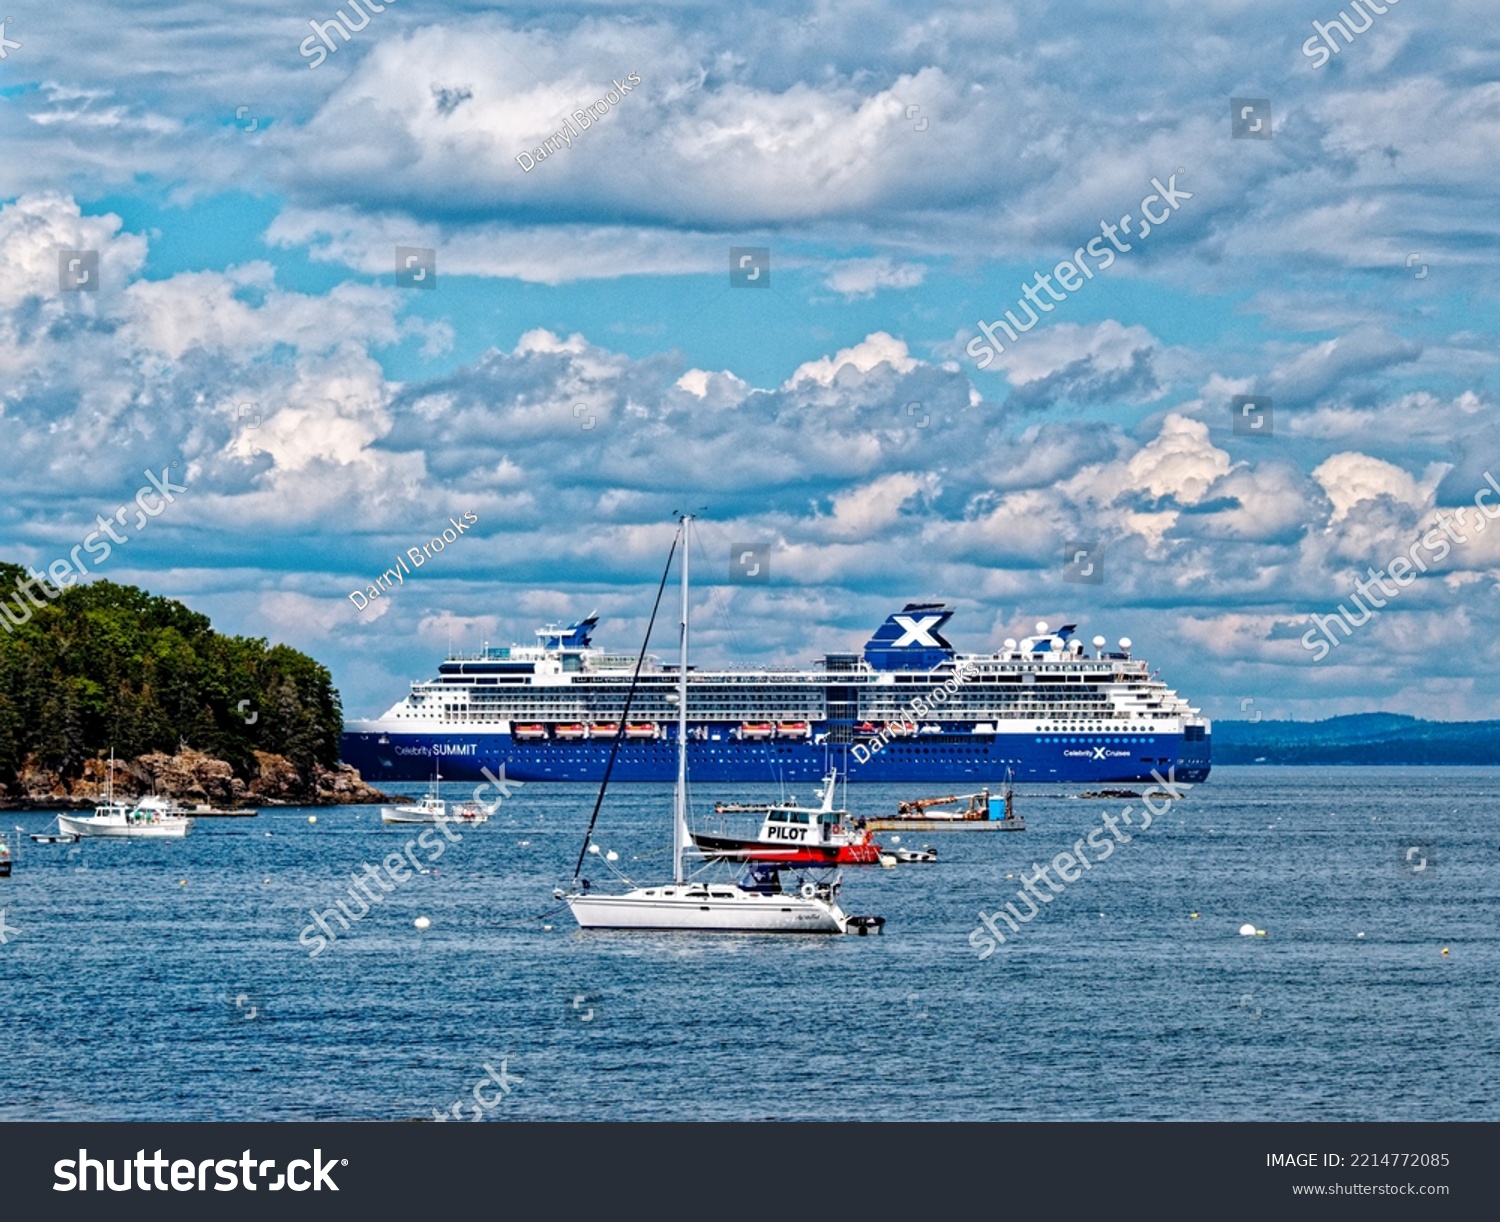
887	861
422	923
895	839
1247	931
1360	934
611	856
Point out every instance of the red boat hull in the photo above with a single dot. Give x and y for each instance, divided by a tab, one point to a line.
866	853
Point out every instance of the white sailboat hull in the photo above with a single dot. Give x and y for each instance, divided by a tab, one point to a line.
725	910
168	829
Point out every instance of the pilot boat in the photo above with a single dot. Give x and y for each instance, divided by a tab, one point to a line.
795	835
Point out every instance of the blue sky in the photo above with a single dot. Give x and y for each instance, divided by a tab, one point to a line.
909	173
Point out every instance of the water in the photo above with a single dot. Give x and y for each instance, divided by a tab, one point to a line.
165	980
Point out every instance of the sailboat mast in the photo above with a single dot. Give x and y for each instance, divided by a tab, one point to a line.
679	805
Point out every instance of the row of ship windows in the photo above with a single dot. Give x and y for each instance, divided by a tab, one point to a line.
1051	713
870	702
1096	738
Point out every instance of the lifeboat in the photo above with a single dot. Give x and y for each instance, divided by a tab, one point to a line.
573	731
792	729
528	732
756	729
604	729
641	729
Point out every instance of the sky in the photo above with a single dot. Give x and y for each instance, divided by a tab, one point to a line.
1218	422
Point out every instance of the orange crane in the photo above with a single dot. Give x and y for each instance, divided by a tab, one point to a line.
978	806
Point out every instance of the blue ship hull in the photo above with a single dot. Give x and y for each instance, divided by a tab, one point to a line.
1063	758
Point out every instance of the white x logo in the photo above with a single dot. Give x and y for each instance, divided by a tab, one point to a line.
1098	753
916	631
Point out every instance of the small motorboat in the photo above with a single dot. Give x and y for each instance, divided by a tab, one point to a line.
4	858
925	853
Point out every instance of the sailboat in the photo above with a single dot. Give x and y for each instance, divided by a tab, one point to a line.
758	905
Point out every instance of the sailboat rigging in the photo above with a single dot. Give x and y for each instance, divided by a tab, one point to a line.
756	904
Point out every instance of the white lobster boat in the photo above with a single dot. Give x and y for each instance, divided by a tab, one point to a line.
433	810
148	819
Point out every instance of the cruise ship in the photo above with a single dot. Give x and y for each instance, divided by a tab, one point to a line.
909	707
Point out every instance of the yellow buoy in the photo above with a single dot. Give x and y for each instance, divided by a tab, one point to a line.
312	818
1445	950
1192	916
182	882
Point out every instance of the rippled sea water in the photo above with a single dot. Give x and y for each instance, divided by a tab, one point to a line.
159	980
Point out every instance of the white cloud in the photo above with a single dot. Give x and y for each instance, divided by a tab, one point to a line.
875	349
856	278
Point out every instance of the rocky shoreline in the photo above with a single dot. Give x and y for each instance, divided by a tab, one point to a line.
190	776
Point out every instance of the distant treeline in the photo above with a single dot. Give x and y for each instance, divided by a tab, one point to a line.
103	666
1362	738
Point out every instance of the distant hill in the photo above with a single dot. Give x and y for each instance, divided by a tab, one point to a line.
1360	738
